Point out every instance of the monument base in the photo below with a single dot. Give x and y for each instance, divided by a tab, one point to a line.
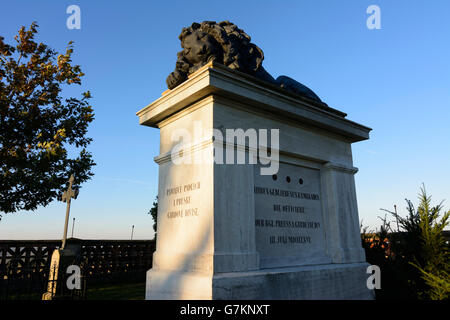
317	282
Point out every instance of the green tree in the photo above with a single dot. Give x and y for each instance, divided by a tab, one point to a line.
415	261
38	125
154	213
434	264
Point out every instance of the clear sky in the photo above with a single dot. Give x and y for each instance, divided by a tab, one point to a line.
395	80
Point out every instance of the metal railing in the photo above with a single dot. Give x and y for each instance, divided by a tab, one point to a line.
25	265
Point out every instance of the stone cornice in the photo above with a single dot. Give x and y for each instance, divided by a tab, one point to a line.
214	79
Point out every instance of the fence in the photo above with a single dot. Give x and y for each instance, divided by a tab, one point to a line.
24	265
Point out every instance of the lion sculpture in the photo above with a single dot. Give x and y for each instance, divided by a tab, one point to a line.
226	44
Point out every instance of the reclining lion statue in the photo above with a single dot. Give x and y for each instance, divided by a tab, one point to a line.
226	44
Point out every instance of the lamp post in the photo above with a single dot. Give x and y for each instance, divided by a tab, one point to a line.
73	226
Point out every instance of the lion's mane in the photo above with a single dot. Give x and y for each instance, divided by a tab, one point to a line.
226	44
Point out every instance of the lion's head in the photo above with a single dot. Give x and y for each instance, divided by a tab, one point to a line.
226	44
221	42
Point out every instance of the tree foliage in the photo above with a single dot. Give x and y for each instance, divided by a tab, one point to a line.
415	261
154	213
39	126
434	265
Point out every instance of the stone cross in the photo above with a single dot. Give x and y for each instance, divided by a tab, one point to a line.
67	197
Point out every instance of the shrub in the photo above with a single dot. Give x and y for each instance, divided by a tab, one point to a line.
414	261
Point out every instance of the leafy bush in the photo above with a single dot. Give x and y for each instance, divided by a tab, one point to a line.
414	261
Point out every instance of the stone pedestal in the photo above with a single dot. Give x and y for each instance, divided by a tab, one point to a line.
283	224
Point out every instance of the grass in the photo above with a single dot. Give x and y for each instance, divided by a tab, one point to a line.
131	290
116	291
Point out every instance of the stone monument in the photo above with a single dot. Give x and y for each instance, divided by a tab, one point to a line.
244	214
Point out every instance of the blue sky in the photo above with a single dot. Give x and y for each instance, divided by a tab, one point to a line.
395	80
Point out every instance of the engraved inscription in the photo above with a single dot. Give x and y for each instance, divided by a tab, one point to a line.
288	217
180	200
